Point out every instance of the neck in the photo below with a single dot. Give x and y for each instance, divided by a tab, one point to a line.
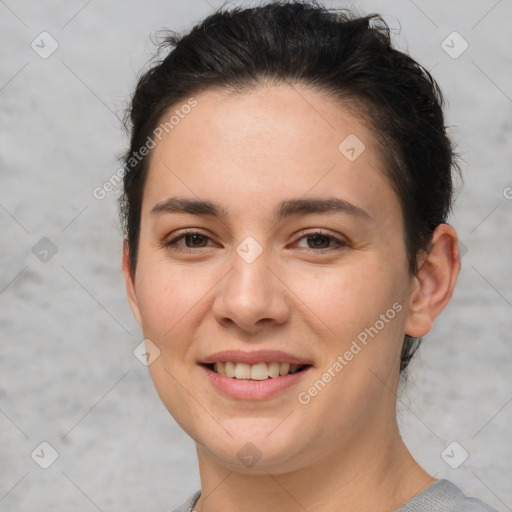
357	476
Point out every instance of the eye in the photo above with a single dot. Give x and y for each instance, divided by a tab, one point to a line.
193	240
316	241
319	241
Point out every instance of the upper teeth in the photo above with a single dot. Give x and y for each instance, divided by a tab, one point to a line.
259	371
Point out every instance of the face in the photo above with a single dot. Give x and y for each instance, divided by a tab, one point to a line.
297	262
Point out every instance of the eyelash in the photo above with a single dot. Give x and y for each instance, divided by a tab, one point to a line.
172	244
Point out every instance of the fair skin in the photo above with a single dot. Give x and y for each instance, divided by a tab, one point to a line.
248	153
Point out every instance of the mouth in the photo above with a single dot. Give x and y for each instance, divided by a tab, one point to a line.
256	374
259	371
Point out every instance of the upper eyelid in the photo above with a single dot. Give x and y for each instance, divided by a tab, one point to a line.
317	231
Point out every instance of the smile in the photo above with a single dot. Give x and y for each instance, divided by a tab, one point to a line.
256	374
258	371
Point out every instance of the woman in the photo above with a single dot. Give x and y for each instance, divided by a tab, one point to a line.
285	201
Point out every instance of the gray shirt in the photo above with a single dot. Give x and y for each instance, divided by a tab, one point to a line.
441	496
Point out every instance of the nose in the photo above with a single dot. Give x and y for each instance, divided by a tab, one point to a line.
251	297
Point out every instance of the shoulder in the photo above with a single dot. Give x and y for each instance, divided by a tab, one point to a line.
444	496
188	506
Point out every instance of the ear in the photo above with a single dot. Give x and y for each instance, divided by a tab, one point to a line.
434	281
130	282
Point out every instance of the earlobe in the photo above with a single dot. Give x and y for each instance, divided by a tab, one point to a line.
130	282
434	281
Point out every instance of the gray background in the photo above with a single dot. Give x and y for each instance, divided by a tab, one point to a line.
68	374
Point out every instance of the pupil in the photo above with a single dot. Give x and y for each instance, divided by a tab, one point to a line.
318	240
195	239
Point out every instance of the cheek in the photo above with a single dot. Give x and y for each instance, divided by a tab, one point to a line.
362	310
348	300
168	298
362	314
165	297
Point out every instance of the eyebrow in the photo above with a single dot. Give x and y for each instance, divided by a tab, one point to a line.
288	208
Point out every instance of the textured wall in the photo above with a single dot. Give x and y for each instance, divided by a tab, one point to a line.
68	374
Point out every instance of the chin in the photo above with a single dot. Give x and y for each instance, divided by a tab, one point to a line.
257	453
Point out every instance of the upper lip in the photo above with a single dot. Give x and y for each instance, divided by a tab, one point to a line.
254	357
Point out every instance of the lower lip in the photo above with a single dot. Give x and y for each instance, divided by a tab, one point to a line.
247	389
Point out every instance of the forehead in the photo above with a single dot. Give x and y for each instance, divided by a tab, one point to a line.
256	147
